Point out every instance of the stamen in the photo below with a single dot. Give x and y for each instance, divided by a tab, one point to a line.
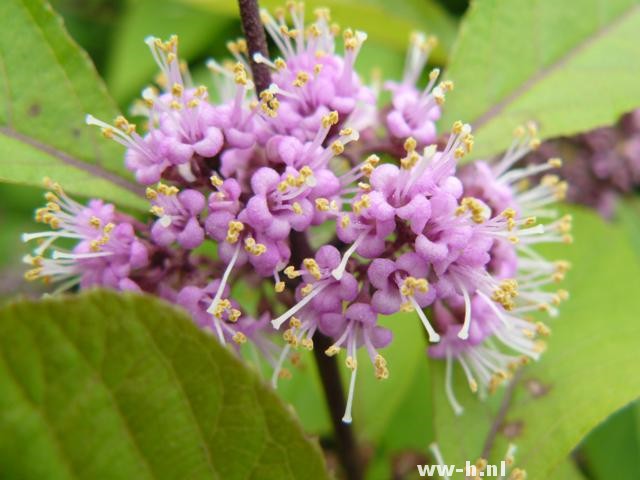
352	385
277	322
223	282
433	335
338	272
457	408
464	331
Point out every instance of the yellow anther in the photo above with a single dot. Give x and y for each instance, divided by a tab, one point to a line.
33	274
234	315
301	79
157	210
150	193
554	162
447	86
216	181
332	350
239	338
542	329
373	160
306	290
406	307
291	272
177	90
345	221
53	207
322	204
95	222
108	133
295	322
279	287
351	363
410	144
297	209
337	147
459	152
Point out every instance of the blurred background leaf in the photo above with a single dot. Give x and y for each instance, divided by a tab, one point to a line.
565	65
43	102
389	22
111	385
129	64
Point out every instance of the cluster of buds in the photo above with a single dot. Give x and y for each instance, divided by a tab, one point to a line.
601	165
331	236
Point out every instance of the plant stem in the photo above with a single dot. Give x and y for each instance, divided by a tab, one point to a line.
331	383
300	249
256	42
334	396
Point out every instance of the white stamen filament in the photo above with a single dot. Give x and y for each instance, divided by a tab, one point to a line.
184	169
57	255
438	456
278	368
464	331
338	272
223	282
277	322
433	335
457	408
352	386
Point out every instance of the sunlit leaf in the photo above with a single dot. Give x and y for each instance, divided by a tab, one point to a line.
105	385
569	66
47	86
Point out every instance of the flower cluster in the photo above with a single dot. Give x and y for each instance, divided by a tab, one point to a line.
263	175
601	165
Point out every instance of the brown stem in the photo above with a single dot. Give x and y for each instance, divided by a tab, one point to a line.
334	396
300	249
330	378
256	42
501	415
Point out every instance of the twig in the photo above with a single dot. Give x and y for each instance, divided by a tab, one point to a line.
300	249
501	415
331	383
256	42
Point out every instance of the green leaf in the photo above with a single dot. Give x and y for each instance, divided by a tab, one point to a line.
47	86
406	388
106	385
613	448
568	470
387	22
588	371
569	66
130	65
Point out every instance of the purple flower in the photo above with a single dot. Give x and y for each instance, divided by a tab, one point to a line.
105	254
413	112
357	327
178	212
289	173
